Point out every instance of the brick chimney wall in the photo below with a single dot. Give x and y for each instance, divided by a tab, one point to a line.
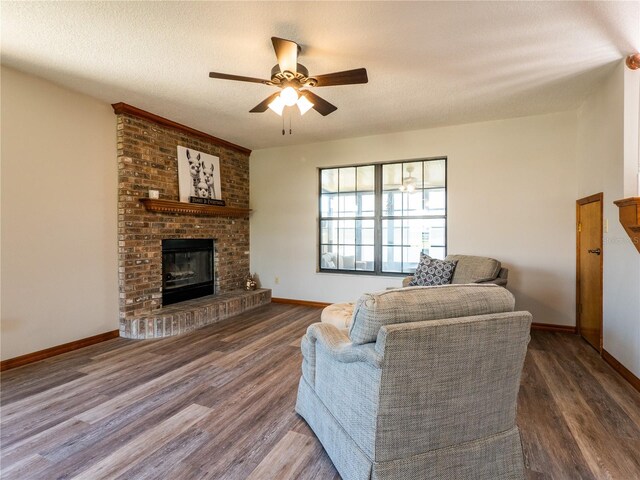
147	159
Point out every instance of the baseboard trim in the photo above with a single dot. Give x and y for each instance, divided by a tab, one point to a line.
549	327
304	303
57	350
621	369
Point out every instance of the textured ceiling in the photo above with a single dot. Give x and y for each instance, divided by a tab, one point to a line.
429	63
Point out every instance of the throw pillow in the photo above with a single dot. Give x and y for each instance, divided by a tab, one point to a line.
431	271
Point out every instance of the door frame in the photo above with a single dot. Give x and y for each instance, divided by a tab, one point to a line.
597	197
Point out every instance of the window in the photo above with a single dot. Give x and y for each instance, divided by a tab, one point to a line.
377	218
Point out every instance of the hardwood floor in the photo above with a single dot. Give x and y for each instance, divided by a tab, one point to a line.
578	418
218	403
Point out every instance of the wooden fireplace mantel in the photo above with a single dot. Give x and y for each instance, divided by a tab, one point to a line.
629	215
171	206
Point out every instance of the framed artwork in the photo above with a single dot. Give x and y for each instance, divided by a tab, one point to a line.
198	176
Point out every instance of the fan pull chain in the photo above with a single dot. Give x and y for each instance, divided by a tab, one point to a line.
286	112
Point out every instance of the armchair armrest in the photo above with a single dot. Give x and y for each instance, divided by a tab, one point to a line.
497	281
338	345
501	279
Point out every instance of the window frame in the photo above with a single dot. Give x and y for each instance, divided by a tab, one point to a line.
378	216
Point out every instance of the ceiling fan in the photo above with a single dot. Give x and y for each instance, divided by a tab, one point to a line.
294	81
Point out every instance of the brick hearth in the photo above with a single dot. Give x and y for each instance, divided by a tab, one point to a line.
187	316
147	159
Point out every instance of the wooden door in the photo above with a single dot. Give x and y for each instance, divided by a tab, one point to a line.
589	269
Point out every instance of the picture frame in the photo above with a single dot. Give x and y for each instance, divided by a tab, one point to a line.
198	176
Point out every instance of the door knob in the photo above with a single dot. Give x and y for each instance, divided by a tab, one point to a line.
596	251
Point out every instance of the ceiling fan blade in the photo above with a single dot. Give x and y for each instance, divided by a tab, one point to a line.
263	105
348	77
320	105
287	53
239	78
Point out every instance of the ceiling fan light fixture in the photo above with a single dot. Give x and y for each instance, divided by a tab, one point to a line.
289	96
304	105
290	76
277	105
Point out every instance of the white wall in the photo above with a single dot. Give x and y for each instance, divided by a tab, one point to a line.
606	160
59	213
511	196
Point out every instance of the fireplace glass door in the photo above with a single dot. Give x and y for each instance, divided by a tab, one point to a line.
187	269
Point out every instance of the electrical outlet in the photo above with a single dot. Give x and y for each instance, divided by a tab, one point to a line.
277	280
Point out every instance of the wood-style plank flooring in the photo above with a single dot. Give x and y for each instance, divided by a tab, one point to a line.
218	403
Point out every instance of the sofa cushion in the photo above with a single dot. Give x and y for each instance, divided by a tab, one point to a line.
415	304
431	271
472	269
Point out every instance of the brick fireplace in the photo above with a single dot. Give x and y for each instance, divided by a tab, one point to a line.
147	159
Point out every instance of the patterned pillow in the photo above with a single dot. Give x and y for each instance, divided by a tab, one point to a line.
431	271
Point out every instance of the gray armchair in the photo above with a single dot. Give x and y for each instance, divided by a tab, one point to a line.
423	385
473	269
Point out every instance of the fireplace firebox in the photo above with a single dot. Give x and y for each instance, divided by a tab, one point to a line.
187	269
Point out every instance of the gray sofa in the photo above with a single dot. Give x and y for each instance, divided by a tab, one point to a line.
422	386
473	269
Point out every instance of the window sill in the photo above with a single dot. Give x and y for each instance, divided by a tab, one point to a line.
362	273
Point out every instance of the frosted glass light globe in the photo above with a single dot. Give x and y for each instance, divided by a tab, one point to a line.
277	105
289	96
304	104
